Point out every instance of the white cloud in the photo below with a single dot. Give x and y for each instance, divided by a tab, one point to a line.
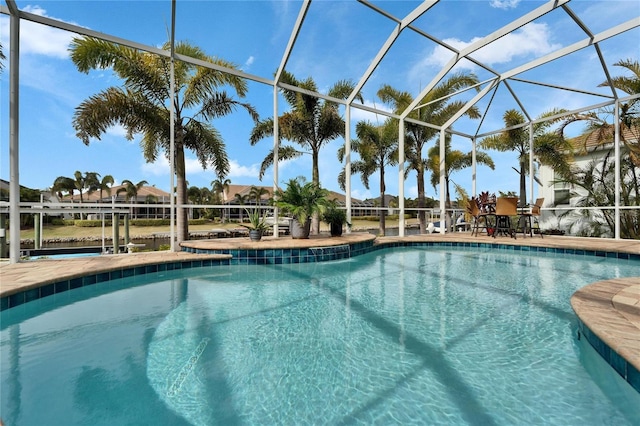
237	170
193	168
160	167
411	191
358	114
247	64
39	39
117	131
532	39
361	194
504	4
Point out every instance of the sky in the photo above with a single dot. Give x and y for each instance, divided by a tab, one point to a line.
338	41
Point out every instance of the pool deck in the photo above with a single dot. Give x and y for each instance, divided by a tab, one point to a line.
610	309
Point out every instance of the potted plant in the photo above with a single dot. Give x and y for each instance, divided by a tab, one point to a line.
257	224
301	200
335	217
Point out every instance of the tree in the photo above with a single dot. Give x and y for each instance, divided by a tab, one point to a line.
131	192
2	57
199	196
195	197
549	147
142	105
82	182
63	184
241	200
453	161
256	193
594	186
220	188
377	147
629	117
436	109
105	185
311	123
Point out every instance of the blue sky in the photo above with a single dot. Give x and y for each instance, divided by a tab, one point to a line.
338	41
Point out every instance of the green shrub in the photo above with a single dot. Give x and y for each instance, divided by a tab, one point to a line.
164	247
88	223
150	222
163	222
397	216
57	221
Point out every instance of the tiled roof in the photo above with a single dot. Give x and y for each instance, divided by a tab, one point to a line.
142	194
591	141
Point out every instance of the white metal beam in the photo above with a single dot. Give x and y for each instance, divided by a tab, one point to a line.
604	35
14	137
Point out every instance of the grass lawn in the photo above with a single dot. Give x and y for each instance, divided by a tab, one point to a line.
64	232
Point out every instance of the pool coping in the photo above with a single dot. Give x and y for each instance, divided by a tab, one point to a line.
609	318
608	311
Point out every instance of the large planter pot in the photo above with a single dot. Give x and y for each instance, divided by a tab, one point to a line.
336	229
300	231
255	234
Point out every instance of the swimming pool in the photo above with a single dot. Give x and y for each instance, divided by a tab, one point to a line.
397	336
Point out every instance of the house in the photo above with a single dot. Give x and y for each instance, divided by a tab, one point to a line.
234	193
146	195
588	147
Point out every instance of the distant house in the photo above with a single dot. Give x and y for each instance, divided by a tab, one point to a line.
152	196
146	195
359	207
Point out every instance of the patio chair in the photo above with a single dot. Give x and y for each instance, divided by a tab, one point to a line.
506	207
479	219
528	218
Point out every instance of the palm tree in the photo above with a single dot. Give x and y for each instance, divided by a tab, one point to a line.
87	181
220	188
311	123
377	147
2	58
453	161
256	193
131	192
195	197
629	119
142	105
550	148
105	185
437	109
594	186
241	200
63	184
199	196
79	183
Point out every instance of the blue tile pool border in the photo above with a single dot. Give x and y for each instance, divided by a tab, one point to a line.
325	254
625	369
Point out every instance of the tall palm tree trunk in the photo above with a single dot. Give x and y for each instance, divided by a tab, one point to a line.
182	219
523	185
447	203
422	215
383	212
315	178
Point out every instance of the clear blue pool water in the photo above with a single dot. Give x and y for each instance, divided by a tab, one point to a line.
399	336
